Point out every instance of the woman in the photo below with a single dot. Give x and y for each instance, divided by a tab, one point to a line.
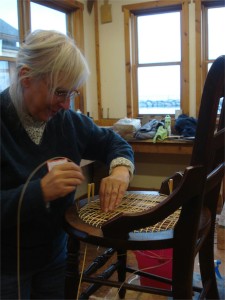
37	126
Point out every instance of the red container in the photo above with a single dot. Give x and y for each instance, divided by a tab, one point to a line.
157	262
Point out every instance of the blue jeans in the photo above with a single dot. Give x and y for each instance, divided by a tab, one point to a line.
44	283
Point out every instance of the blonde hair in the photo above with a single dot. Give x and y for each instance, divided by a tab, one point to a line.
49	54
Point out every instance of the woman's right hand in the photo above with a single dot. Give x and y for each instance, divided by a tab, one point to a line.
61	180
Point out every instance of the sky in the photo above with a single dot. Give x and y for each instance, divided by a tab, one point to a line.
50	18
8	12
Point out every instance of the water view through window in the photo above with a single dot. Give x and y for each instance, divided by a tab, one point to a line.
159	61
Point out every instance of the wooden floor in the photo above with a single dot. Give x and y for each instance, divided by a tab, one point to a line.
107	293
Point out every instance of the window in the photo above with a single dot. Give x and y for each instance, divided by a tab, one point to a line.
63	15
209	39
9	40
51	18
159	71
215	46
216	24
156	45
6	71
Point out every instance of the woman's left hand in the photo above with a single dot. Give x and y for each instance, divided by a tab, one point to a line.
113	188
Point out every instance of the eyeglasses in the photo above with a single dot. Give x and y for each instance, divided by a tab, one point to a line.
63	95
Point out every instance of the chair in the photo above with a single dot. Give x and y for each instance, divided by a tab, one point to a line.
191	205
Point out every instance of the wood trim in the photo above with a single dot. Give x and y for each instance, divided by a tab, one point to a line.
24	20
105	122
165	147
185	59
75	28
128	62
8	58
98	65
204	43
153	4
134	65
210	3
66	6
198	50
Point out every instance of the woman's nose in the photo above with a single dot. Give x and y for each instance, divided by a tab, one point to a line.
65	104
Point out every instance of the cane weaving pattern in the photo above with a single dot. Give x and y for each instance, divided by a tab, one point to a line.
92	214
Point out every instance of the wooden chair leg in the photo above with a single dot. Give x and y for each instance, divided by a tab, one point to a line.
72	269
122	258
183	274
183	288
206	261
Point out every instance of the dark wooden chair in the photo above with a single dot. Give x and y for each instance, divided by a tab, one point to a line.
195	197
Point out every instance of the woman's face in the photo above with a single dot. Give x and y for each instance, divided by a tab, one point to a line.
40	103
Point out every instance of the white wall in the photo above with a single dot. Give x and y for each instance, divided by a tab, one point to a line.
112	60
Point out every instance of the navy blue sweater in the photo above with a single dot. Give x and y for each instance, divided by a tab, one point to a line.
67	134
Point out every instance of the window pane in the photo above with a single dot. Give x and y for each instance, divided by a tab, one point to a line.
50	18
9	35
6	71
159	89
216	25
159	38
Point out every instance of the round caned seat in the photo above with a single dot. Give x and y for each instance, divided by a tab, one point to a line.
92	214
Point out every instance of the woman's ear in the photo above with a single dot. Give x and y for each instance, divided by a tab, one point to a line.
25	79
